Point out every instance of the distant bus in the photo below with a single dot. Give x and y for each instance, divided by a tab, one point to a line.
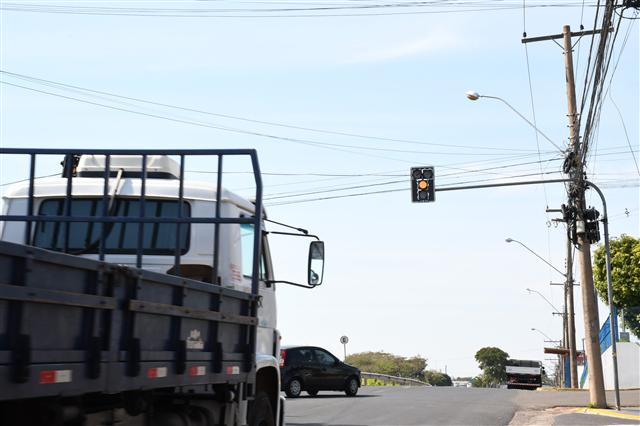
524	374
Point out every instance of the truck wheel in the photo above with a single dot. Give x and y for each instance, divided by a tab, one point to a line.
293	388
351	388
260	414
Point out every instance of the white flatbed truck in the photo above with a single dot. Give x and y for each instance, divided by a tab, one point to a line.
131	296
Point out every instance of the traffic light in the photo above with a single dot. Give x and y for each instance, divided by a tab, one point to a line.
592	228
422	184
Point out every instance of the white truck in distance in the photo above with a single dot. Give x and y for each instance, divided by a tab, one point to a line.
524	374
174	321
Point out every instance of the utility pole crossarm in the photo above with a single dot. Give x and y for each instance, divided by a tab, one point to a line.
559	36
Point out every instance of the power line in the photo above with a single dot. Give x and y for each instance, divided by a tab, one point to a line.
456	174
274	13
269	198
535	123
601	65
270	123
324	145
27	180
625	133
608	91
317	144
360	194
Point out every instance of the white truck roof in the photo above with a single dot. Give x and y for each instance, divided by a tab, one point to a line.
94	165
130	187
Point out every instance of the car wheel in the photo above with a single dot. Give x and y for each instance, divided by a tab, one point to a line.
260	413
351	388
312	392
293	388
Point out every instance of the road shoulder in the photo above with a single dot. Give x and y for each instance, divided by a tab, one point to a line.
575	416
538	417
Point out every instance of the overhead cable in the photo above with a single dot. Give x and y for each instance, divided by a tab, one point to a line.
269	123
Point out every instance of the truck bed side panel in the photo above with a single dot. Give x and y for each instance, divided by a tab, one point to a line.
71	326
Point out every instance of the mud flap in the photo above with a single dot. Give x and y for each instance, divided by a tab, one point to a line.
281	411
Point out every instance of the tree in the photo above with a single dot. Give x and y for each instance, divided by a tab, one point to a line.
625	278
492	361
389	364
437	378
412	367
479	382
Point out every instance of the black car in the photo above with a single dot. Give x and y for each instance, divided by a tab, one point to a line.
312	369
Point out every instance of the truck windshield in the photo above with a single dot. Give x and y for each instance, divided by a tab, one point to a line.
121	238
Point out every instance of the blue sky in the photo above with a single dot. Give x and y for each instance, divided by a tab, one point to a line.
431	279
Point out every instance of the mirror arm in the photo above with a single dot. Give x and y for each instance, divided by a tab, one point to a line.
304	231
270	282
292	234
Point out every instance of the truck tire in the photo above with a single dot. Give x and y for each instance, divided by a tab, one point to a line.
260	413
293	389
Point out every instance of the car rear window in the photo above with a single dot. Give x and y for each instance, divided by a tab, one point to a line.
299	356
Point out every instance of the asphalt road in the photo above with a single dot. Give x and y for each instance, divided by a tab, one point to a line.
402	406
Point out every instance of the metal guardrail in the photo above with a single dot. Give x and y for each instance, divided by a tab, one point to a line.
391	379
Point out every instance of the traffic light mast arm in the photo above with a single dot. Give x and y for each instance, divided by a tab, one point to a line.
495	185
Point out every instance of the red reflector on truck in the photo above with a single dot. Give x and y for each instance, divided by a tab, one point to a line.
233	370
198	371
155	373
48	377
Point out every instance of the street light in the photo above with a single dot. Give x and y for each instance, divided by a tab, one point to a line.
567	315
511	240
556	311
474	96
549	339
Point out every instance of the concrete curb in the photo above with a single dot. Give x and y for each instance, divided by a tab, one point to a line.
543	389
607	412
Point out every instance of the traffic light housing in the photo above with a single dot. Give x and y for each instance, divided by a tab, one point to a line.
422	184
592	228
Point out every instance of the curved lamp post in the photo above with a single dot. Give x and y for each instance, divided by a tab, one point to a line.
474	96
556	311
549	339
511	240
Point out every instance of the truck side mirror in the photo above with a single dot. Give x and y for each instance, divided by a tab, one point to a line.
316	263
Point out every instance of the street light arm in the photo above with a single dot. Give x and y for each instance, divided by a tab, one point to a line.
537	255
556	310
544	334
524	118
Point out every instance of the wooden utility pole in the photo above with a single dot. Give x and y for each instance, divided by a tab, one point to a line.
569	312
571	320
578	205
591	326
